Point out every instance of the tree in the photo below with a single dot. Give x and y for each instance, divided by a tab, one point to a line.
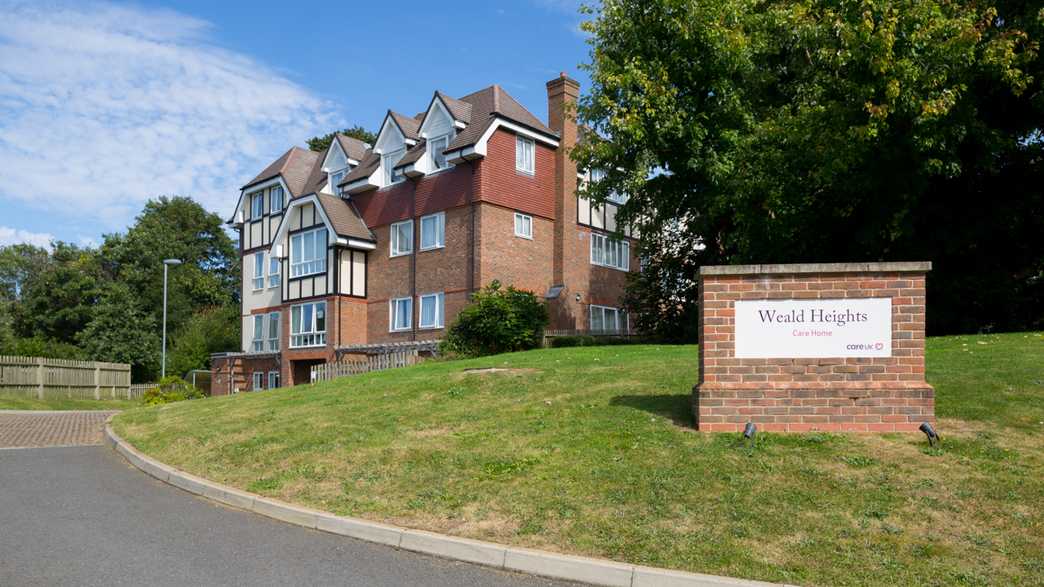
810	130
57	300
120	331
208	331
322	143
17	263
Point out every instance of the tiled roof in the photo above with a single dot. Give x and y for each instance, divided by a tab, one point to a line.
345	218
409	126
490	102
414	154
295	166
353	147
368	165
459	109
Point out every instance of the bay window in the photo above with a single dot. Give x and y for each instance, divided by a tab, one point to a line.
259	333
273	331
308	325
402	238
259	271
433	231
610	252
432	310
606	319
400	314
308	253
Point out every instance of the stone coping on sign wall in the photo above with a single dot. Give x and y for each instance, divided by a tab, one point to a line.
792	268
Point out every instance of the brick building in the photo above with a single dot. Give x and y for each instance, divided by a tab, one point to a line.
369	245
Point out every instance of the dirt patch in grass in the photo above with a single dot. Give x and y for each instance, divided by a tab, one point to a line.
497	371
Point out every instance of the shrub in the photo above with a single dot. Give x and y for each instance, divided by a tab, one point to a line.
498	321
588	340
171	389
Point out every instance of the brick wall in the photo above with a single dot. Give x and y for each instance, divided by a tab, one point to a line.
503	185
240	370
513	260
878	394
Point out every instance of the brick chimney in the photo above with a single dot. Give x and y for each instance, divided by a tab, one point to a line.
562	93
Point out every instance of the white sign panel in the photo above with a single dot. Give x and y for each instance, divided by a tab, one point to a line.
804	329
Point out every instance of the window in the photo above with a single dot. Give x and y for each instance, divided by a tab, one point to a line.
436	147
259	380
273	331
259	271
273	379
308	325
257	206
523	225
388	161
402	238
401	310
273	271
605	319
335	178
609	252
432	311
276	205
259	333
308	253
524	149
433	231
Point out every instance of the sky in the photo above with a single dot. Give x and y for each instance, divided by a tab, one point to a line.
105	105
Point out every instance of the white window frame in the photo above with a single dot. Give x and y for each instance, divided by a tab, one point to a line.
440	311
432	157
620	317
259	333
439	219
525	154
611	252
392	314
273	380
396	248
257	205
313	337
521	222
259	271
388	162
274	271
273	337
272	200
334	179
259	381
301	267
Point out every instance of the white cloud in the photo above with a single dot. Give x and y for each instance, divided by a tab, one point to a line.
14	236
104	106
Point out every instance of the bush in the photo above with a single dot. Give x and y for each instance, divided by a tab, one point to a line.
498	321
171	389
588	340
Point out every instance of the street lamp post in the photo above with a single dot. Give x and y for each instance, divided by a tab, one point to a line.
163	360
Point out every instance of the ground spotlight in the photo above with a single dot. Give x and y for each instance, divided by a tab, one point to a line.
933	437
750	430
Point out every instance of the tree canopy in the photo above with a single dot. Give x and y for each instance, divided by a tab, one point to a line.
816	130
320	144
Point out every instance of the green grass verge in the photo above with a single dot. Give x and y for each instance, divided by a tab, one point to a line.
12	402
590	451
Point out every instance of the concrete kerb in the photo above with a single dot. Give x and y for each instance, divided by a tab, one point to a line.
535	562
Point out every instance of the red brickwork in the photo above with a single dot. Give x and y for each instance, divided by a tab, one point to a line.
879	394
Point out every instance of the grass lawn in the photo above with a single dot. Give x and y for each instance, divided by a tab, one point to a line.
590	451
21	402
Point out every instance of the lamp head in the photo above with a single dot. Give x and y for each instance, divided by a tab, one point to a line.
172	261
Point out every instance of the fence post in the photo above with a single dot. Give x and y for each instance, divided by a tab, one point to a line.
97	382
39	378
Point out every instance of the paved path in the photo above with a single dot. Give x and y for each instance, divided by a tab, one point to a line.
20	429
83	516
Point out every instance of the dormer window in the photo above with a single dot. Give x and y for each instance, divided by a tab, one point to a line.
436	148
257	205
335	178
388	162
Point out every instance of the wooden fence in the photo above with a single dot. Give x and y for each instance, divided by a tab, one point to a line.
379	362
553	333
61	378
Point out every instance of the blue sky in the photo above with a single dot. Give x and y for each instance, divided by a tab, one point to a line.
104	105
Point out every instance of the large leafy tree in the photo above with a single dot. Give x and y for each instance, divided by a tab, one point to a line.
814	130
58	297
121	331
321	143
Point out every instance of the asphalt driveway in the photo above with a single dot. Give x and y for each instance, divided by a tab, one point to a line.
82	516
